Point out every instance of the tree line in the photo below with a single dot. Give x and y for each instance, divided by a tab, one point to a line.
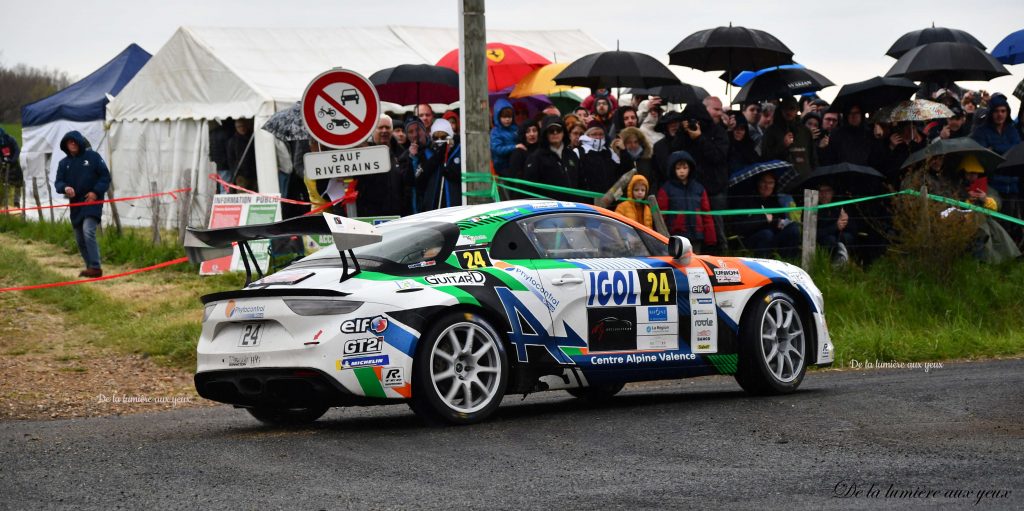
22	84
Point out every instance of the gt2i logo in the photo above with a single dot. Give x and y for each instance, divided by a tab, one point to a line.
362	346
657	287
473	259
376	325
609	288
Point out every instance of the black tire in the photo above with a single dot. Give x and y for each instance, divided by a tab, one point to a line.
287	416
762	370
596	393
482	368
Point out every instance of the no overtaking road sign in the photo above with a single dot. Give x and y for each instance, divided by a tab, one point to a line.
340	108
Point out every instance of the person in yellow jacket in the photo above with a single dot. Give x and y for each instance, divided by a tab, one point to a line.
638	211
976	184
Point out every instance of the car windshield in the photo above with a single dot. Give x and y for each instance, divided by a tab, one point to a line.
404	244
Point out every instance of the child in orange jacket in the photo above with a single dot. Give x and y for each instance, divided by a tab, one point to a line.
638	211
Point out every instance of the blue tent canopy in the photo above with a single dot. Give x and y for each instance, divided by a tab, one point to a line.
86	99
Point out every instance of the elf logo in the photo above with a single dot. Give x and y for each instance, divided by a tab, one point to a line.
700	289
376	325
611	288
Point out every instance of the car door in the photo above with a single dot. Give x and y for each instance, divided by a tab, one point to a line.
605	289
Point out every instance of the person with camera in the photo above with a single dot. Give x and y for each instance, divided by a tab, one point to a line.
438	169
83	177
707	141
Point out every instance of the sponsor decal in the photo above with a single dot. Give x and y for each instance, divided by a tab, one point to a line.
366	362
704	322
701	301
658	329
365	346
657	314
727	275
704	333
376	325
725	304
535	286
473	259
702	289
233	310
704	346
283	278
611	328
611	288
641	358
422	264
243	361
393	376
469	278
407	284
657	287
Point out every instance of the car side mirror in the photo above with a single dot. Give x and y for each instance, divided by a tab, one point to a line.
680	248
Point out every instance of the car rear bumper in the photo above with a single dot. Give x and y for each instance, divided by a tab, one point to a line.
278	388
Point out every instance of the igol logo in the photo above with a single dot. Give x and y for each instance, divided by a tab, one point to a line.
230	309
700	289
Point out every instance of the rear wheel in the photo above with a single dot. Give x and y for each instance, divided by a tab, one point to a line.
287	416
596	393
773	346
460	371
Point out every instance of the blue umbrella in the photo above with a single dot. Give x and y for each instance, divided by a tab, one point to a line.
784	173
1011	49
745	76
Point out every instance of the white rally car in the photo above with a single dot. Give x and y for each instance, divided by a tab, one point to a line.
452	309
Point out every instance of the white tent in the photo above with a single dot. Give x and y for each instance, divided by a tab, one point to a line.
159	120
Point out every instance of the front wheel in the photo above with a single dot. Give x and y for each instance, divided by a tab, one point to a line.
773	346
287	416
460	371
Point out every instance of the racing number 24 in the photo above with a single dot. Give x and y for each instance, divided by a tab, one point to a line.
659	287
473	259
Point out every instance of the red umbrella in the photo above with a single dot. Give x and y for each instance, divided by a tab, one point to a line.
506	64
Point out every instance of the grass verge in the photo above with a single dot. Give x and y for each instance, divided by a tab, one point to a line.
14	130
890	313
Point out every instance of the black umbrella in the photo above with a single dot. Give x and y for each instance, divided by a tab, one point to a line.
1014	163
947	63
873	94
730	49
412	84
616	69
682	93
838	171
287	125
961	145
781	83
912	40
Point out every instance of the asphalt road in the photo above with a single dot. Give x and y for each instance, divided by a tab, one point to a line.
683	444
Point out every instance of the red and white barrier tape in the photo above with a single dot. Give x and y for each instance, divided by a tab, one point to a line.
104	201
97	279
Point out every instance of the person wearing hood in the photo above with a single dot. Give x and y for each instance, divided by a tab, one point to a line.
527	141
635	152
438	169
851	142
742	149
708	143
503	136
639	212
668	126
764	233
12	178
997	133
682	192
553	163
599	166
82	176
603	111
992	244
787	139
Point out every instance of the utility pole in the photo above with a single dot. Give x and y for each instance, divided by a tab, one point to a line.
475	125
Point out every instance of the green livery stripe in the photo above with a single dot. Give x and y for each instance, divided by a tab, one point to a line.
502	275
572	352
462	296
547	264
725	364
373	275
369	382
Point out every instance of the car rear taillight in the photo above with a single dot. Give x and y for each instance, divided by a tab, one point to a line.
320	306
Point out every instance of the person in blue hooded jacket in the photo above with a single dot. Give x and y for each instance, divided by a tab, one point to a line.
503	136
11	176
82	176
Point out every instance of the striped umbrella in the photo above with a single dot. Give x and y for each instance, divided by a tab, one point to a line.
784	173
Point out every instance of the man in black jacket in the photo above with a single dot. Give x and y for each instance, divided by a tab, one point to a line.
553	163
708	143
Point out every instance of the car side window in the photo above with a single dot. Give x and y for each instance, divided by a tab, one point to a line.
578	236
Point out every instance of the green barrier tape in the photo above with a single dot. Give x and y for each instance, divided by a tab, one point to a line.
729	212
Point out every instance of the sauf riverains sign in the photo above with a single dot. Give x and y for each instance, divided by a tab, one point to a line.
340	109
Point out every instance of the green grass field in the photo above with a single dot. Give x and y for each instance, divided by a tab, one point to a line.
882	313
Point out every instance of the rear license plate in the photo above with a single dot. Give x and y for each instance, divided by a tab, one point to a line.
251	334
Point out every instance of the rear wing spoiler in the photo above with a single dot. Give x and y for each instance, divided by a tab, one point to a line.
205	244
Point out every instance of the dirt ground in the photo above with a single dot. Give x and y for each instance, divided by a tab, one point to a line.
49	369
